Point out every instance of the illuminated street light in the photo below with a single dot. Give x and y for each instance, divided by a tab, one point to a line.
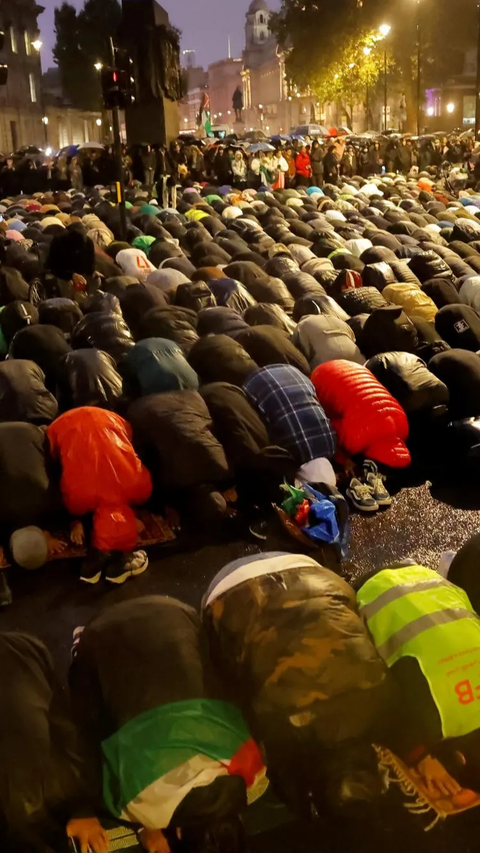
431	111
98	66
45	120
37	44
419	64
450	108
367	51
385	30
48	151
186	120
98	122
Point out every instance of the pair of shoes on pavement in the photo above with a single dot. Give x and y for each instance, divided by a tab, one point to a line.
369	493
116	572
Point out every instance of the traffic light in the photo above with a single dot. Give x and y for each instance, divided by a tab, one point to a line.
3	66
118	81
115	88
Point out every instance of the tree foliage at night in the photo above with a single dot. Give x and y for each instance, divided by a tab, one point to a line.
323	38
82	39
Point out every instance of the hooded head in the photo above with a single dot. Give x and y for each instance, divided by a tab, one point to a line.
29	547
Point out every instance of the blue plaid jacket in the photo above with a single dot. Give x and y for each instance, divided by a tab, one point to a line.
287	402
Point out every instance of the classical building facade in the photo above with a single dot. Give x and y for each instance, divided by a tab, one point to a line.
270	105
20	100
62	124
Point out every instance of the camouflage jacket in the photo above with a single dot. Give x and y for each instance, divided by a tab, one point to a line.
295	644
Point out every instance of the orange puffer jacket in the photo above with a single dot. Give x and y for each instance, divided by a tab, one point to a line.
101	474
365	416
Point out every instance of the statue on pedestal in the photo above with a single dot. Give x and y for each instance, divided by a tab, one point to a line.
237	103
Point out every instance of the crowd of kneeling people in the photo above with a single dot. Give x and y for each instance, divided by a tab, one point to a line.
237	339
181	723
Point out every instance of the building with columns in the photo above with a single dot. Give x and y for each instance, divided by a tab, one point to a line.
21	99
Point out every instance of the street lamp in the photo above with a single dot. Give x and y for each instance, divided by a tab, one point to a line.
37	44
98	66
450	108
419	66
477	91
366	52
45	129
384	30
98	122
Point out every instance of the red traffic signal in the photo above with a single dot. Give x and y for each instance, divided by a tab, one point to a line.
115	88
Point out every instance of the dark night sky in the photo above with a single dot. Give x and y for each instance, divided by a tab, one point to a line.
205	24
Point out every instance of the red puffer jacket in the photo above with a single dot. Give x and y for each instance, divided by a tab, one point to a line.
303	164
101	473
365	416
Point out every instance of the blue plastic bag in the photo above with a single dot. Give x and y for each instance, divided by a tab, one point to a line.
323	522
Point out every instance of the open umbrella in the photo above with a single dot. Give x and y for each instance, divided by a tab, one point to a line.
91	145
27	149
260	146
255	136
281	137
68	151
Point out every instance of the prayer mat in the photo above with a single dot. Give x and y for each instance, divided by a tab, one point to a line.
157	531
411	783
119	838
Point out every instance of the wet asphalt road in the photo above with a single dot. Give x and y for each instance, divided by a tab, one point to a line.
421	523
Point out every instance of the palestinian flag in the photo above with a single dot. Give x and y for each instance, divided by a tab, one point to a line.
205	117
154	760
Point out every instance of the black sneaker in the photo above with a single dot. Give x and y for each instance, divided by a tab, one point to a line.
5	591
134	564
259	529
92	569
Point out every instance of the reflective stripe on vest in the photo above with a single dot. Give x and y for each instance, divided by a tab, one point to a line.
414	612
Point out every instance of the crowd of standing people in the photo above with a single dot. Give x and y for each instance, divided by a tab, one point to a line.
281	165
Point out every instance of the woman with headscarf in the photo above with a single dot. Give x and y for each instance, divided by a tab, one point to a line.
330	166
348	163
375	161
303	167
196	164
239	170
316	156
223	166
290	180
